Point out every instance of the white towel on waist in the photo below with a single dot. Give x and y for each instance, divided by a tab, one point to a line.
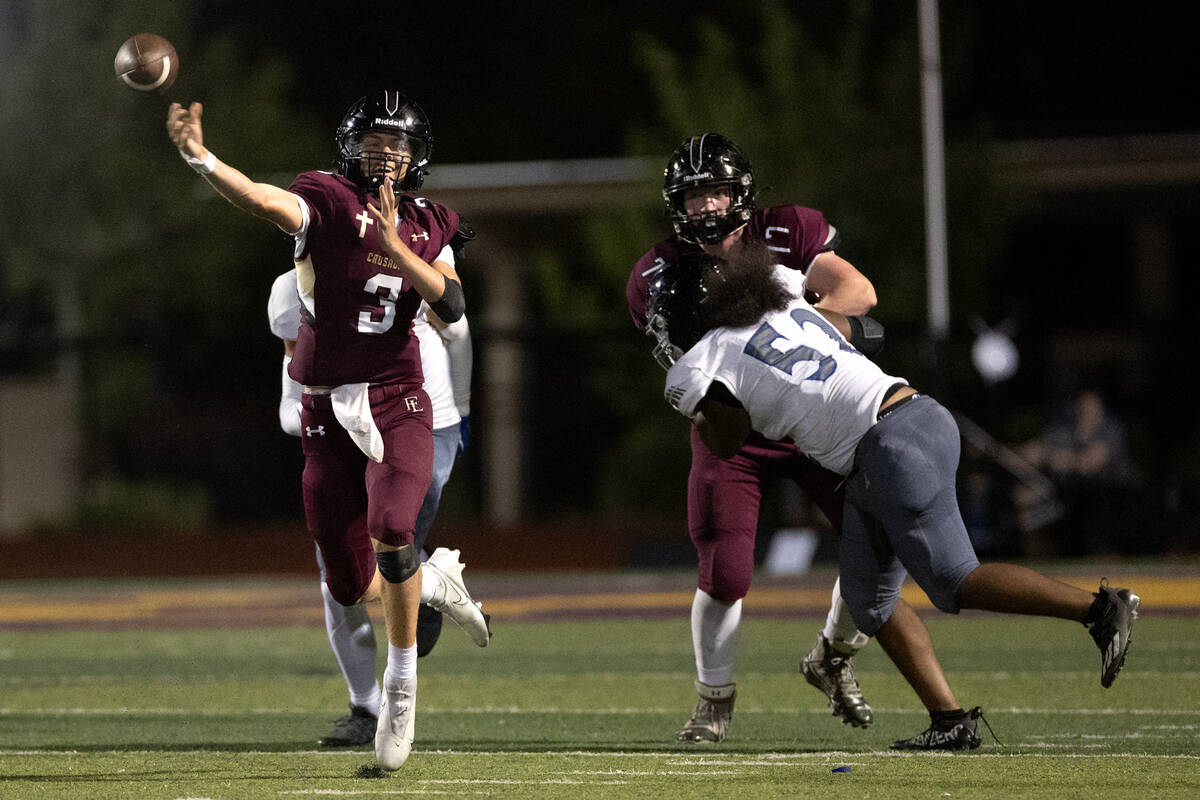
352	408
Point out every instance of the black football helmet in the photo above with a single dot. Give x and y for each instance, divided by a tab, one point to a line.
385	112
708	160
675	310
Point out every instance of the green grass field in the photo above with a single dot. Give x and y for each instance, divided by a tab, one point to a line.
588	709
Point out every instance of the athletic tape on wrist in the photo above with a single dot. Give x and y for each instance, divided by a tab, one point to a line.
204	166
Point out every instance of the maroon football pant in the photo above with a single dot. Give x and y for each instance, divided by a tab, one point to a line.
724	496
349	499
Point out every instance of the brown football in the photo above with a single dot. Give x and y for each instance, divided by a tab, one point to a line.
147	63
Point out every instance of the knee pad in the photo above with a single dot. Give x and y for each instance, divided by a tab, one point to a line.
397	566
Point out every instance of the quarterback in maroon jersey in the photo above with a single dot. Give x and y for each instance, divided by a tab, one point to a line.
366	255
710	194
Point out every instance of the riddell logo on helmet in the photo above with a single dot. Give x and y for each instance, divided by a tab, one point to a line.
700	177
392	123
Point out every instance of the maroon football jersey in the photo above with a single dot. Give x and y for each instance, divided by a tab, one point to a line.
795	235
356	307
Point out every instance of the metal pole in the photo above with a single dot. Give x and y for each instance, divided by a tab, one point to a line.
936	270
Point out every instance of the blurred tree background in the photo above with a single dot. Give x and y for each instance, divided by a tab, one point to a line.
120	267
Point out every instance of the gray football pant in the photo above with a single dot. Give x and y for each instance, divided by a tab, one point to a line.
446	442
901	515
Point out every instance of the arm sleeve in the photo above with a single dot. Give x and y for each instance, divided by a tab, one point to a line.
289	402
457	336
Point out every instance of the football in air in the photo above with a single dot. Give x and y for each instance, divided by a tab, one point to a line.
147	63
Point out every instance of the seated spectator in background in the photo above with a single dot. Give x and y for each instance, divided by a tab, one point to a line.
1085	454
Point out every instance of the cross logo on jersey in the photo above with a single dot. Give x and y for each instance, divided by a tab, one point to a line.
363	221
317	431
422	235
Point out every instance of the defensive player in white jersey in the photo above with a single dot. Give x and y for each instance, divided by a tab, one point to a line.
446	360
749	354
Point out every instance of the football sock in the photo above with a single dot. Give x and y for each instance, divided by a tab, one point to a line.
715	627
953	715
353	641
840	630
402	663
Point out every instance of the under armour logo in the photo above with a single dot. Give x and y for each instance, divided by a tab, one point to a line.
422	235
317	431
412	404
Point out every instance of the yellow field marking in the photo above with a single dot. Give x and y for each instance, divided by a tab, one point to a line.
124	605
303	605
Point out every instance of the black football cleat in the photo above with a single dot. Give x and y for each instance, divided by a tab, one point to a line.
1110	621
356	728
947	731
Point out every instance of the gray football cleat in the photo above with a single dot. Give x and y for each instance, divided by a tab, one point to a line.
1110	623
710	720
453	599
394	734
834	675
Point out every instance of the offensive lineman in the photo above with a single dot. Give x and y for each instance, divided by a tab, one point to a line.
365	259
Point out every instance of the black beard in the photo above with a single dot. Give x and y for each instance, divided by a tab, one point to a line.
742	289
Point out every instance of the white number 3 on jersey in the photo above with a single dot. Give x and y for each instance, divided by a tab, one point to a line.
385	289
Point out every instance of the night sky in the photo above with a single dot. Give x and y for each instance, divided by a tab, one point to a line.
529	80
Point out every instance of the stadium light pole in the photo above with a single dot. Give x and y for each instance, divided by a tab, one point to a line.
932	137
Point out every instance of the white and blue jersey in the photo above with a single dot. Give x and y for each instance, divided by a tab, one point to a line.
795	375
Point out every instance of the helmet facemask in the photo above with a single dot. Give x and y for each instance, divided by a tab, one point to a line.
664	352
712	226
372	155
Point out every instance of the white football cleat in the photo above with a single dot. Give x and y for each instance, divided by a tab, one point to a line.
394	733
453	599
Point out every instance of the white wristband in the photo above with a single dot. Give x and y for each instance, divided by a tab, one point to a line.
204	166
